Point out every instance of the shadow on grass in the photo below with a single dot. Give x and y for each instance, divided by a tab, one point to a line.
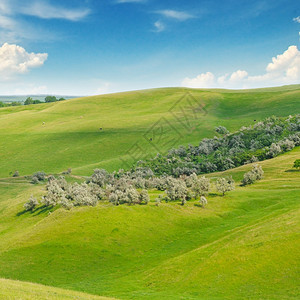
36	212
213	195
292	171
198	205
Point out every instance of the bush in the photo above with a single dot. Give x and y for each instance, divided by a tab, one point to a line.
144	197
200	186
31	204
38	176
203	201
16	174
255	174
297	164
221	130
224	185
176	189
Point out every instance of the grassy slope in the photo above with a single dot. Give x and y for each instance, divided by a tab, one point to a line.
243	245
71	135
12	290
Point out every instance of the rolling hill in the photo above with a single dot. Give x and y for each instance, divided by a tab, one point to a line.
244	245
114	131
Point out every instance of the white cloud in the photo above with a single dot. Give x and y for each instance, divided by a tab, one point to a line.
14	29
44	10
159	26
174	14
203	80
284	69
297	19
15	60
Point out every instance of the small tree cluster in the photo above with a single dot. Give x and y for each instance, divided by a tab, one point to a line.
255	174
224	185
38	177
31	204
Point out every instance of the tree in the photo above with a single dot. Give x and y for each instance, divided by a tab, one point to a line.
61	99
176	189
224	185
31	204
28	101
297	164
274	150
255	174
38	176
203	201
50	99
144	197
37	102
221	130
200	186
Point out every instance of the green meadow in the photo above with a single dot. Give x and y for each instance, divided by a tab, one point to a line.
56	136
244	245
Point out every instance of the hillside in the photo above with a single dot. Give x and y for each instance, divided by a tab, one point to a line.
242	245
12	289
114	131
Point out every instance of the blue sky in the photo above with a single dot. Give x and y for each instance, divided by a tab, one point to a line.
86	47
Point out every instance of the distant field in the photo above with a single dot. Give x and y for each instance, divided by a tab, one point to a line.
244	245
35	97
114	131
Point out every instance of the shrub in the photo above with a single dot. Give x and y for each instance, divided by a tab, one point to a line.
200	186
203	201
176	189
274	150
38	176
31	204
224	185
255	174
221	130
16	174
297	164
144	197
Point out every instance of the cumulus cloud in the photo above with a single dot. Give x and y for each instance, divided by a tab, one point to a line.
202	80
174	14
284	69
15	60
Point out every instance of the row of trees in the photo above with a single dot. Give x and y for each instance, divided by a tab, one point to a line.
125	189
263	140
13	103
48	99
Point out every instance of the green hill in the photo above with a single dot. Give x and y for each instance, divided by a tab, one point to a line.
53	137
12	289
243	245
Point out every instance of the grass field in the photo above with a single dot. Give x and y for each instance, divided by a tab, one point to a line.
12	289
244	245
53	137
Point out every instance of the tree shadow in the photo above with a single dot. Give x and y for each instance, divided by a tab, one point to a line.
292	171
36	212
